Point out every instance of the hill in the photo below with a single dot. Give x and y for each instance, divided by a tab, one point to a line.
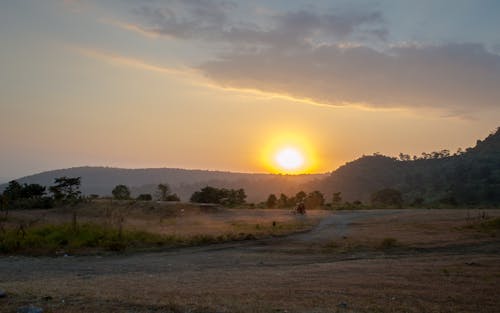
469	177
102	180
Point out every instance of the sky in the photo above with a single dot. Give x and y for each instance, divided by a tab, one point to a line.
230	85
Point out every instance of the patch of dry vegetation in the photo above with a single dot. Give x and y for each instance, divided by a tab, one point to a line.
133	225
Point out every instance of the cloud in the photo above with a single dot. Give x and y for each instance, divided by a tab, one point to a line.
215	20
459	78
133	62
328	57
184	19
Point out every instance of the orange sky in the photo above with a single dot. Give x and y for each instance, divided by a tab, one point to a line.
86	83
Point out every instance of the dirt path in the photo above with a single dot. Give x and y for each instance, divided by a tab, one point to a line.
337	224
271	275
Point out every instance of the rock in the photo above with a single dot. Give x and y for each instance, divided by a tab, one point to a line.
342	305
29	309
3	294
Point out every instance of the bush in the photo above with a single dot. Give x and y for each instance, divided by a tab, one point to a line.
145	197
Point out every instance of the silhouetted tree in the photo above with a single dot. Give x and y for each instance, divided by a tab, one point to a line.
336	198
271	201
13	191
283	201
163	192
300	196
32	191
144	197
173	197
206	195
223	196
121	192
66	188
314	200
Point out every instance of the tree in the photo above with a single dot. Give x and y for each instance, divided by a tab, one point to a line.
13	191
283	201
300	196
206	195
314	200
387	197
173	197
66	188
32	191
337	198
229	197
271	201
144	197
163	192
121	192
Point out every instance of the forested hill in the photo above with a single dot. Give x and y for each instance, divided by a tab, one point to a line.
102	180
469	177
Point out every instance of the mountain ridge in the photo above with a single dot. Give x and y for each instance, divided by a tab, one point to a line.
101	180
469	177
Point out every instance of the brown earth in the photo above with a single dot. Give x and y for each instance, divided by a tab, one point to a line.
352	261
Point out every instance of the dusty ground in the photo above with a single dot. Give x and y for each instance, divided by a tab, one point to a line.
429	263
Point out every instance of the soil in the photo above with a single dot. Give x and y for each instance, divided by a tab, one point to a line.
352	261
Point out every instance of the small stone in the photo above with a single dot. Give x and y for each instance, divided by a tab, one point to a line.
29	309
3	294
342	305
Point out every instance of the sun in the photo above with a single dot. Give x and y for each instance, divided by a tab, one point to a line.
289	152
289	159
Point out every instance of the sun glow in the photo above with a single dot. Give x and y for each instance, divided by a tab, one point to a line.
289	159
289	153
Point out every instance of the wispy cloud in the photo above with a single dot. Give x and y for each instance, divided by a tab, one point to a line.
118	59
213	20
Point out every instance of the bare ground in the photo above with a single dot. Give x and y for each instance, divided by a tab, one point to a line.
353	261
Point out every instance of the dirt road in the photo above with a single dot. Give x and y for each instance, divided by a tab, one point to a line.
299	273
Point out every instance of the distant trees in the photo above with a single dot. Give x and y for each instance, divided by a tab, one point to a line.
312	200
222	196
165	194
336	199
445	153
27	196
300	196
121	192
144	197
283	201
271	201
66	189
387	197
13	191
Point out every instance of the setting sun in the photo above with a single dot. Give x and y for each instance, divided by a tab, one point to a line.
289	152
289	159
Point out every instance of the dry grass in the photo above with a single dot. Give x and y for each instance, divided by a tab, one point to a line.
131	225
411	261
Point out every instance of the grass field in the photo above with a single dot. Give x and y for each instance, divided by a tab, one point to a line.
351	261
106	225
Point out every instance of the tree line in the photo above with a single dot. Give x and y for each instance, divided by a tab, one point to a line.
66	190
